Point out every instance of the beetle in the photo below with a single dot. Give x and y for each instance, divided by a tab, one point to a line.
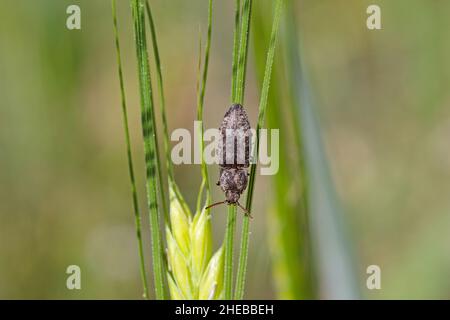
234	155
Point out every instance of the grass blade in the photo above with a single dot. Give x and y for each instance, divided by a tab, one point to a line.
190	273
237	96
229	252
328	231
150	144
199	79
287	224
137	214
160	86
166	141
237	19
261	116
200	105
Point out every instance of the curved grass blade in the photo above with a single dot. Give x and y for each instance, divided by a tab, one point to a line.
150	143
137	214
287	224
261	116
334	256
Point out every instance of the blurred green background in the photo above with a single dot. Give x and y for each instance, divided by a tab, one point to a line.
383	103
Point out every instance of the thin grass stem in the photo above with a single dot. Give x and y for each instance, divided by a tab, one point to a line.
201	89
137	214
150	144
237	96
166	141
243	256
243	52
229	252
199	78
237	19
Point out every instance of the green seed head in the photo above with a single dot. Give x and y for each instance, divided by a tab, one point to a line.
201	244
193	273
180	219
211	285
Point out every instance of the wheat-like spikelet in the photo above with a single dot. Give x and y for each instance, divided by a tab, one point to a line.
193	271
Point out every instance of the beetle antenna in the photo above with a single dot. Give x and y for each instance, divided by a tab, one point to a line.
215	204
247	213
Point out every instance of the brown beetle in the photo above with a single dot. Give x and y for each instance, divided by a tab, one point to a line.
234	152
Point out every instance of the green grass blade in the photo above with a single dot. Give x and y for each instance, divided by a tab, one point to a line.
166	140
261	116
200	106
137	214
229	252
199	79
160	89
150	144
287	224
238	95
330	242
237	19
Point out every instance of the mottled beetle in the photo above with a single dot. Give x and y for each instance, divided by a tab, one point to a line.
234	155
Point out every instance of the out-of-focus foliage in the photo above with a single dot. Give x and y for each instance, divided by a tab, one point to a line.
64	189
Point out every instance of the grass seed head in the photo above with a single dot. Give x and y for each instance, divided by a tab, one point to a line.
211	285
193	272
